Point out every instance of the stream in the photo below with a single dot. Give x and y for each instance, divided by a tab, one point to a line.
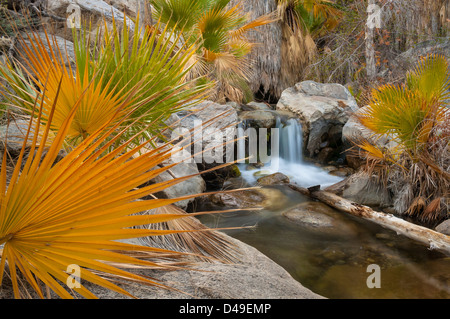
333	262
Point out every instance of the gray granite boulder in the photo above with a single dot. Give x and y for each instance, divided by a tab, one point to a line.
323	110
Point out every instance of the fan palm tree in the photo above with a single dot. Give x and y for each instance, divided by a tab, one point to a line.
222	30
415	116
313	16
78	210
55	214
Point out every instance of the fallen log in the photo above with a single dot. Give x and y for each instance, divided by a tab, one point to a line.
429	237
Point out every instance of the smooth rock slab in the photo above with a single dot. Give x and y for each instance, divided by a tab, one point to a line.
320	218
255	276
273	179
323	110
269	198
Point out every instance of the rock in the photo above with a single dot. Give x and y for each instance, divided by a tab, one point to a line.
57	43
16	132
342	171
323	110
269	198
215	180
318	217
325	154
4	86
191	186
261	173
309	219
406	60
258	106
353	130
129	6
214	128
215	124
254	276
363	190
98	8
444	227
105	10
258	119
273	179
429	280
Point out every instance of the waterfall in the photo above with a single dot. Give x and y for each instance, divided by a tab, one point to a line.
241	142
289	159
290	140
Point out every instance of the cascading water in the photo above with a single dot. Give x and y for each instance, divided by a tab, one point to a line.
331	260
290	141
287	158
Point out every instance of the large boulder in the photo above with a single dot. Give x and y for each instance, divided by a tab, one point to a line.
253	276
93	14
214	131
406	60
56	44
363	189
269	198
444	227
191	186
323	110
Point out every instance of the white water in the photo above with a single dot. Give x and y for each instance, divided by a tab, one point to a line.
290	160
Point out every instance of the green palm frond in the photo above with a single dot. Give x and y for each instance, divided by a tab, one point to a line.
314	16
415	117
409	112
156	63
430	77
142	73
221	29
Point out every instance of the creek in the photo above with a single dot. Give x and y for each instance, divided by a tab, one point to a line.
332	261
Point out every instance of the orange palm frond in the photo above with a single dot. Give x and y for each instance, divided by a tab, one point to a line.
55	215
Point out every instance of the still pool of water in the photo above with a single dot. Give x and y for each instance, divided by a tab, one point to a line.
334	264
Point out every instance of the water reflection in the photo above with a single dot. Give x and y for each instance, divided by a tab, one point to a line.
334	264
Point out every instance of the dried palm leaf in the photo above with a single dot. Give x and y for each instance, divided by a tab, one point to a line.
206	244
433	210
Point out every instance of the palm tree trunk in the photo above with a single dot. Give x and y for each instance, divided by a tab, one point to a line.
266	56
281	54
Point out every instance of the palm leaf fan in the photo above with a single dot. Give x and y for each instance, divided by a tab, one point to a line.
75	211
